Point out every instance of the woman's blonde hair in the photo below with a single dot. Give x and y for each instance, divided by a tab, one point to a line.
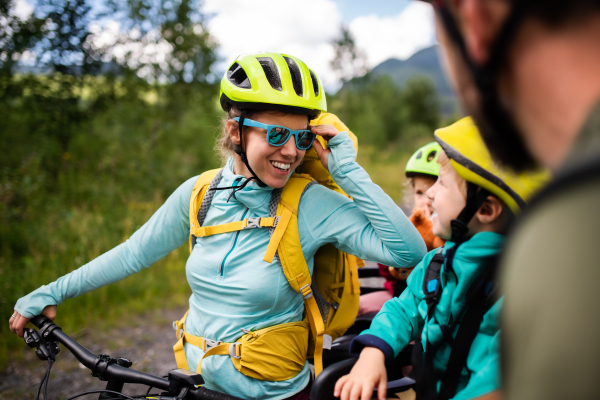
224	145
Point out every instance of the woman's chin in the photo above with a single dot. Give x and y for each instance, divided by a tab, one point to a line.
276	182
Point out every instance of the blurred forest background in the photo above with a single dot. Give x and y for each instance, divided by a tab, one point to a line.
95	134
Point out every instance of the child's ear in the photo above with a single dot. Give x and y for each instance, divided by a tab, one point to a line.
490	210
233	131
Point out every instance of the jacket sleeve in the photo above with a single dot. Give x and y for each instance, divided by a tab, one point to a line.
166	230
399	320
371	226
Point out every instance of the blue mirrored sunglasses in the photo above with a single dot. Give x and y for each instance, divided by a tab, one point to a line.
279	135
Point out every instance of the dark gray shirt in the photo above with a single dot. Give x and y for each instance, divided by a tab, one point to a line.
551	278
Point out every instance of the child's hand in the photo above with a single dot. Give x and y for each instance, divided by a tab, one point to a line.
368	372
327	132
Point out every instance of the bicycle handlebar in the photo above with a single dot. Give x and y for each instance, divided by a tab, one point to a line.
115	371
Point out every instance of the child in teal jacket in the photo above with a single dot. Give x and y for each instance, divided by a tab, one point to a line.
474	200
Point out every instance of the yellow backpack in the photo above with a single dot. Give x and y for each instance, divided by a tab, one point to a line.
331	295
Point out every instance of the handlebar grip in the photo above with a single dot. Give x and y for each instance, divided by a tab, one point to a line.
40	320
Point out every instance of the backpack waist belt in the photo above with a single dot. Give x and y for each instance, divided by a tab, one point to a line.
276	353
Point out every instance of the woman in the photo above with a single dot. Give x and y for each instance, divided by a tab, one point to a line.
233	288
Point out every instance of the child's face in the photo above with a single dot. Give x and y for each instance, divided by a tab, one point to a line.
447	200
420	186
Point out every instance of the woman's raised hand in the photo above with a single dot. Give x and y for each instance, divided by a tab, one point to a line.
17	322
326	132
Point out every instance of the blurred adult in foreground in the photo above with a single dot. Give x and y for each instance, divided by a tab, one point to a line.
529	72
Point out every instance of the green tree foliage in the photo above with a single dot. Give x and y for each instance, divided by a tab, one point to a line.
380	112
94	142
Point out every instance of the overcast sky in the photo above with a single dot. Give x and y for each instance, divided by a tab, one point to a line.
306	28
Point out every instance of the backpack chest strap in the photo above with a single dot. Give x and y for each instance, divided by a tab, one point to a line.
248	223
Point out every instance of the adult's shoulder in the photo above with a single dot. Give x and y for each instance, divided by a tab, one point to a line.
550	276
320	198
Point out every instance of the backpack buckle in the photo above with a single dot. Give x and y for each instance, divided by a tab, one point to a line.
234	350
306	292
209	344
252	223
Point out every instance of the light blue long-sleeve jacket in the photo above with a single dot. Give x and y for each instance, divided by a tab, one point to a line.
232	287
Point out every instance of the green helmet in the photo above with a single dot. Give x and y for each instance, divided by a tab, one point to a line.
272	81
424	161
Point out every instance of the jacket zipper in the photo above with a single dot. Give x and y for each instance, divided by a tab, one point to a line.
232	246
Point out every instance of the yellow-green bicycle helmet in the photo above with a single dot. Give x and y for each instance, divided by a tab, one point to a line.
424	161
274	81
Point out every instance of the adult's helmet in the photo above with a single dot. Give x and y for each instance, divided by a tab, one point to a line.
424	161
472	160
272	81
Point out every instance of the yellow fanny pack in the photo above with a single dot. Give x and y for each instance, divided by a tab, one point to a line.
276	353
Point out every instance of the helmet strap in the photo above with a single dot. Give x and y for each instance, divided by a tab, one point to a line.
475	197
239	150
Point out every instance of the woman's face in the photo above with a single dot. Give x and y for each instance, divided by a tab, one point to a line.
271	164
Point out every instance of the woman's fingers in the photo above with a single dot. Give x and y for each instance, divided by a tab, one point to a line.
326	131
322	152
18	324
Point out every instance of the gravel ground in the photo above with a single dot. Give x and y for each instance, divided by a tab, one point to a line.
151	350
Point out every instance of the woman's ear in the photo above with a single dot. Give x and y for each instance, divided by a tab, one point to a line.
490	210
233	131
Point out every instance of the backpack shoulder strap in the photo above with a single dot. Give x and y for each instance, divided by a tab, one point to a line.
200	201
285	242
432	287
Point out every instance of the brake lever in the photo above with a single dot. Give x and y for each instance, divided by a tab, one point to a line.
44	349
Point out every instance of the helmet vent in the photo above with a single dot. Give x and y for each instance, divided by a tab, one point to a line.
238	77
431	156
315	83
296	75
419	155
271	72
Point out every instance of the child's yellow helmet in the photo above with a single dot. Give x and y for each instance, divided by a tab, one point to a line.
273	81
469	156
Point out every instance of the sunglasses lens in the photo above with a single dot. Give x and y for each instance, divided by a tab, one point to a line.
304	139
278	136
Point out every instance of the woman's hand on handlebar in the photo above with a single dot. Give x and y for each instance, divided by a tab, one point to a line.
19	322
